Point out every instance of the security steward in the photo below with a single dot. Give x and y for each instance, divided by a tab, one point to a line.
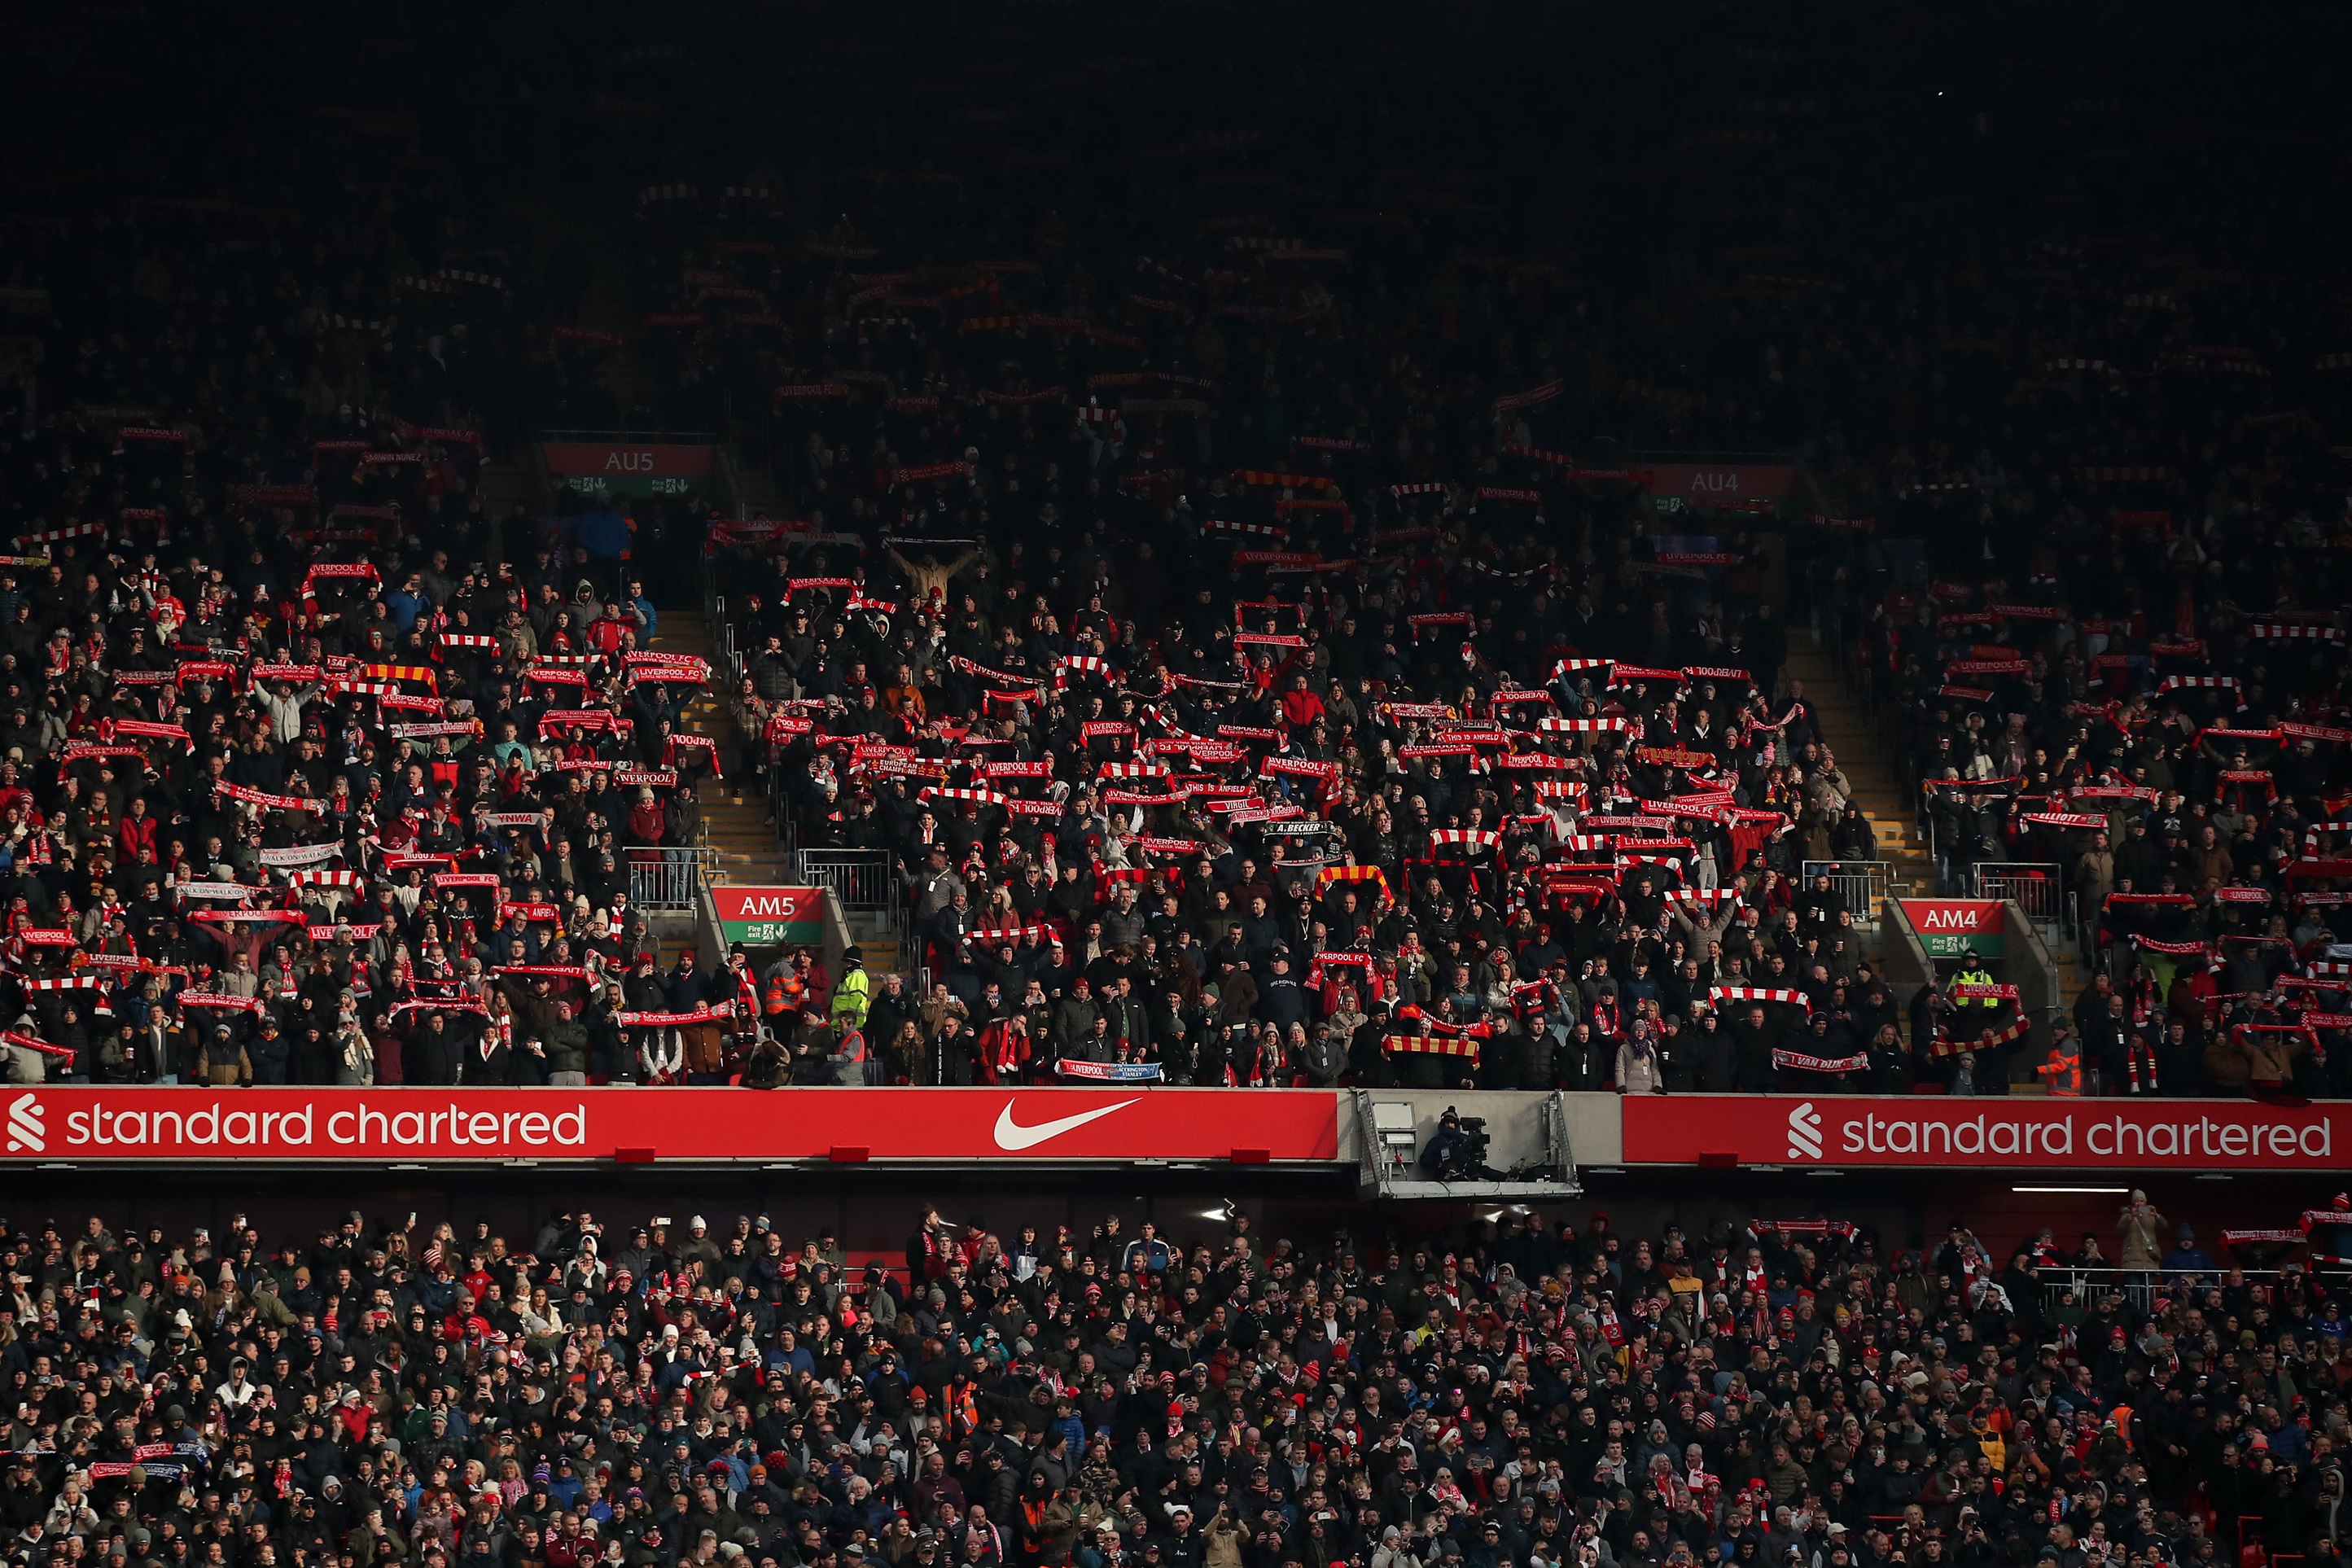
1975	1012
782	996
851	997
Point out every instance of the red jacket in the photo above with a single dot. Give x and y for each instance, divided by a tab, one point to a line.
136	833
1003	1051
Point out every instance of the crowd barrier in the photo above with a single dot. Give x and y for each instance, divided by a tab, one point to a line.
1861	885
669	877
2039	890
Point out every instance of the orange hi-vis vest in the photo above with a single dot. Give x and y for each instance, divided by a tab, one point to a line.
2063	1071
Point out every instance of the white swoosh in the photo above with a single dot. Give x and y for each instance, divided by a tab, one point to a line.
1014	1137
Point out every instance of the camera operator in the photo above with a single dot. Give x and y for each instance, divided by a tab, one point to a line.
1456	1151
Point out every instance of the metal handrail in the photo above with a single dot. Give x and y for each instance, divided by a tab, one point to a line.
1863	885
731	486
911	946
2138	1286
670	876
2037	888
788	827
860	878
723	645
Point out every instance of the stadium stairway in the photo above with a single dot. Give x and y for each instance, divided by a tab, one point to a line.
503	487
878	953
747	848
1911	867
1911	870
2073	974
749	851
756	489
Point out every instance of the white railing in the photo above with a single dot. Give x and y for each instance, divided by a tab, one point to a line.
861	879
1861	885
2141	1287
667	877
2037	888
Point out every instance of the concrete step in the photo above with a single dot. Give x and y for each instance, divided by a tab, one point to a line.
746	844
760	870
1911	871
757	489
501	485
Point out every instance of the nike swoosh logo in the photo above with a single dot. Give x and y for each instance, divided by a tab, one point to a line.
1013	1137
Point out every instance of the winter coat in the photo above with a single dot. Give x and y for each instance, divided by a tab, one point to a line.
566	1040
357	1057
224	1067
1637	1071
2143	1238
1324	1060
2270	1059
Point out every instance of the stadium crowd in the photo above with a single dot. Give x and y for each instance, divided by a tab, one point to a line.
310	770
1533	1394
1182	576
1202	603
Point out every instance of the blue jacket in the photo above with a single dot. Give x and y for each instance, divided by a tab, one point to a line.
602	534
